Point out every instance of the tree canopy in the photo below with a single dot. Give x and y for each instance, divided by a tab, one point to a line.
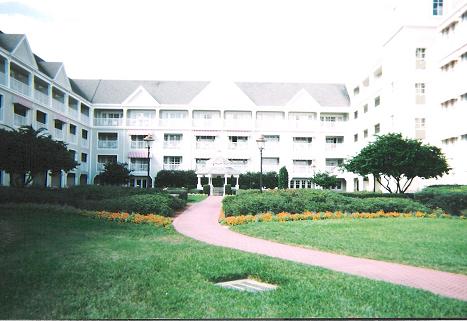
283	178
27	152
396	161
325	180
115	173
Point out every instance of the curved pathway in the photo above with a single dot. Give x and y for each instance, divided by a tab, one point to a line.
200	222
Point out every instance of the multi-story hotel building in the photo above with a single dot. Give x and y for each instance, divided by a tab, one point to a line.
418	88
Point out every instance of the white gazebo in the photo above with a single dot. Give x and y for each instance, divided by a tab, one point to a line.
215	167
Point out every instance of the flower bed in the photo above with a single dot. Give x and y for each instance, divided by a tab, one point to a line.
157	220
314	216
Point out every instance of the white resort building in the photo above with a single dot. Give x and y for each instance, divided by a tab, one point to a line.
417	87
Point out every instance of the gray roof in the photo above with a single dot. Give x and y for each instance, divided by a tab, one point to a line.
279	94
9	41
116	91
49	68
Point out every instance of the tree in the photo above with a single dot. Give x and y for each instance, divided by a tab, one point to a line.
398	161
250	180
325	180
27	152
115	173
176	178
283	178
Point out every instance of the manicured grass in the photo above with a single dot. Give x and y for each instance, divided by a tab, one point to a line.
436	243
194	198
56	264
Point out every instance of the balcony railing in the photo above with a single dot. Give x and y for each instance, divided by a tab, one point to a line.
138	144
302	147
174	123
303	169
139	167
111	144
207	123
20	86
85	143
205	145
333	146
303	124
84	118
238	124
58	105
72	138
270	123
83	167
2	78
41	97
19	120
172	144
270	168
73	112
333	124
332	168
238	146
108	121
58	133
144	122
172	167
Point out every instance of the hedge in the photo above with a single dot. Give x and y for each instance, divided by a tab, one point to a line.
298	201
177	179
451	198
377	194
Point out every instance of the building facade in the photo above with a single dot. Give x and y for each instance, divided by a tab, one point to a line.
418	88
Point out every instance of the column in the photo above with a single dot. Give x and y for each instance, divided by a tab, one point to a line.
371	182
210	184
198	186
237	178
361	185
62	179
349	185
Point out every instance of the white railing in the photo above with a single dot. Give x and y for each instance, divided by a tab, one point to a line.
270	168
333	124
108	121
238	146
58	105
144	122
302	147
19	120
238	124
270	123
40	125
112	144
20	86
207	123
205	145
73	112
83	167
174	123
172	167
332	168
240	167
84	118
41	97
58	133
333	146
2	78
72	138
304	169
303	124
138	144
139	167
172	144
84	142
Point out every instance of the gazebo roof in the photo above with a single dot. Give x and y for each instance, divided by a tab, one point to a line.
218	166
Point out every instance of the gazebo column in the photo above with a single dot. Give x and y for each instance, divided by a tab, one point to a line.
210	184
225	182
198	186
237	178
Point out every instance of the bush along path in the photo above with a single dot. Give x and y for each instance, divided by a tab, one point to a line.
200	222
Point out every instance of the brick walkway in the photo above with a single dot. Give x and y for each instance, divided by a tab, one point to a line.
200	221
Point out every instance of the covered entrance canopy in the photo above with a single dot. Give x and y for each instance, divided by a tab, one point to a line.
214	167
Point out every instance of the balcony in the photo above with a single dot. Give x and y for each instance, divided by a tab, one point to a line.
20	86
270	168
333	146
302	147
58	105
19	120
238	146
270	124
303	169
84	118
72	139
206	145
41	97
304	124
2	78
108	121
140	122
238	124
172	144
207	123
172	167
83	167
138	144
108	144
332	168
73	112
139	167
84	143
333	124
58	134
174	123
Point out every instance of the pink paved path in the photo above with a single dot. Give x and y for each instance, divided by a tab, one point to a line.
200	221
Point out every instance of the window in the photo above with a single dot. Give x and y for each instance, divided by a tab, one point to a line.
420	93
58	124
334	140
304	140
365	108
377	101
271	138
104	159
355	114
72	129
356	91
437	7
377	128
464	97
172	162
355	138
365	133
172	140
238	139
1	107
420	128
107	140
41	117
137	142
84	134
84	157
420	58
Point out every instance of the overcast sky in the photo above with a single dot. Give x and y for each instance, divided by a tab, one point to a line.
239	40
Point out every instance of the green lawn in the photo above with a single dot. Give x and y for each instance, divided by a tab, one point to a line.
436	243
56	264
194	198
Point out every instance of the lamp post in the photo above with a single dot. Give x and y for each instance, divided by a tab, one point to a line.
261	142
149	139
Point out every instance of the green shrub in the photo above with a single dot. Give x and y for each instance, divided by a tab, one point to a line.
172	178
283	178
178	192
250	180
378	194
451	198
228	189
297	201
206	189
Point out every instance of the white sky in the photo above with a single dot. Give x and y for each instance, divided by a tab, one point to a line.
239	40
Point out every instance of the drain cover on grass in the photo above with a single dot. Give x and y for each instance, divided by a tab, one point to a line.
247	285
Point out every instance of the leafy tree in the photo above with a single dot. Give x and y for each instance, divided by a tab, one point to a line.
27	152
115	173
283	178
250	180
172	178
325	180
398	160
